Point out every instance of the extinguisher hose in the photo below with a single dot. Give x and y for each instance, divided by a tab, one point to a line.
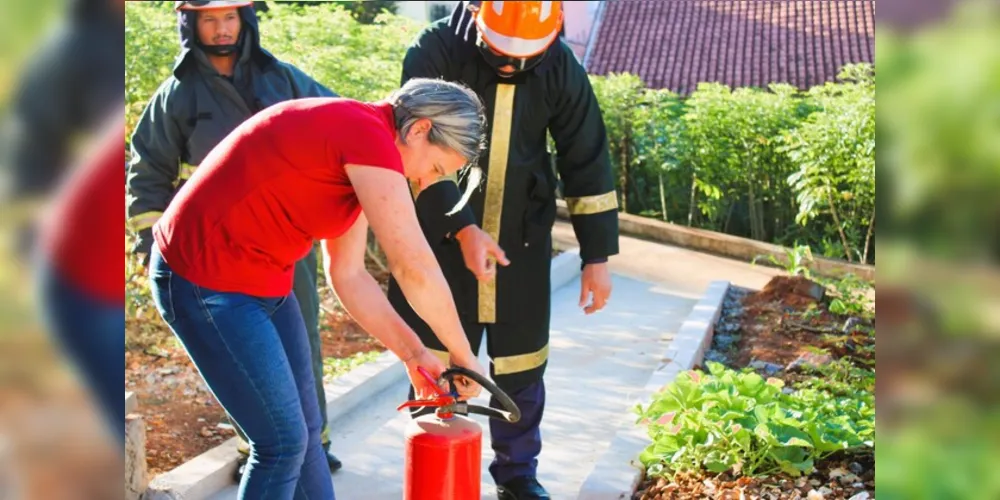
494	413
510	413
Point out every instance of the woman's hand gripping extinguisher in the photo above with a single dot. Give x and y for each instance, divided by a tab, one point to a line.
444	449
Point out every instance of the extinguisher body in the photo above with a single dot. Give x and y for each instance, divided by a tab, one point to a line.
444	449
443	458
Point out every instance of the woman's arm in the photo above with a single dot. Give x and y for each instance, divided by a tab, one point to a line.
388	207
343	259
344	263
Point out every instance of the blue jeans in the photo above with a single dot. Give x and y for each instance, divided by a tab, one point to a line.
91	333
254	354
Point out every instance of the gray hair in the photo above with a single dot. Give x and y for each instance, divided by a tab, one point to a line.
458	121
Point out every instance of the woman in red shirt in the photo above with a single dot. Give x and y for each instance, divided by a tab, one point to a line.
81	299
303	170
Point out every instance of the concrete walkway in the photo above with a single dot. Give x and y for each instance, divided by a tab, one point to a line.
597	362
677	270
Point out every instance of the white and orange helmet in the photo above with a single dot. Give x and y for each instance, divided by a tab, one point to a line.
517	33
519	29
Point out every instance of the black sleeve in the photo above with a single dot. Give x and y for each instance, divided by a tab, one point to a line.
157	145
583	160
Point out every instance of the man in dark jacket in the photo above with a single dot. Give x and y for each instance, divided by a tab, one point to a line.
69	86
531	83
221	78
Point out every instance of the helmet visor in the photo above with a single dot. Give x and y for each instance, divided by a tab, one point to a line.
506	65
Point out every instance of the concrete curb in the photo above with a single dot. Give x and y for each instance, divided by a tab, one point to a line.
617	473
212	471
722	244
131	402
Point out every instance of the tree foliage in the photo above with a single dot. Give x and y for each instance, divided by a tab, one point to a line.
750	162
834	151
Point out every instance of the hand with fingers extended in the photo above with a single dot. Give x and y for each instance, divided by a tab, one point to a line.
595	287
480	252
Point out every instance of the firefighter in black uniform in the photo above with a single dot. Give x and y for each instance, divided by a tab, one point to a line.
530	83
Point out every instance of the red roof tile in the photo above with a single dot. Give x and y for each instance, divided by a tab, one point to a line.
677	44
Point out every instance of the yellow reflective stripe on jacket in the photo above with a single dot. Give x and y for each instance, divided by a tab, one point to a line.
144	220
496	178
585	205
187	170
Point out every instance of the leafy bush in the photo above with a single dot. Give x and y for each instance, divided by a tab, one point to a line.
938	129
359	61
730	143
750	162
725	420
643	134
151	45
944	448
834	150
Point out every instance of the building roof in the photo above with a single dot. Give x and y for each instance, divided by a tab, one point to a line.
676	44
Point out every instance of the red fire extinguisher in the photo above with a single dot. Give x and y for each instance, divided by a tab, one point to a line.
444	449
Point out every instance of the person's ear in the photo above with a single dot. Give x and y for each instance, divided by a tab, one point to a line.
422	127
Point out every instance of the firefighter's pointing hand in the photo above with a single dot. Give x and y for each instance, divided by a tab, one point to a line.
480	252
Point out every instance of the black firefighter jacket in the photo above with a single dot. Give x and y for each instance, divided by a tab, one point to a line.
516	203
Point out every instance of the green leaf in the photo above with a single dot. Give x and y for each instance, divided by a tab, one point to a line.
716	369
763	413
762	432
838	306
716	466
751	383
797	441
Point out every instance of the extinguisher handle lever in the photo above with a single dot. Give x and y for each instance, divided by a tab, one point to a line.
510	411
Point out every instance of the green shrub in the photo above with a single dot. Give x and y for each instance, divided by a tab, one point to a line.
726	420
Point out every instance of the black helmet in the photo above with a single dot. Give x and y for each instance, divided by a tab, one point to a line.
211	4
196	6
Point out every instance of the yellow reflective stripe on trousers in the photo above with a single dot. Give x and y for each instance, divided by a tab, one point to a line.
503	114
144	221
585	205
521	363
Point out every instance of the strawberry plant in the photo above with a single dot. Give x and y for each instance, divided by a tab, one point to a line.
725	420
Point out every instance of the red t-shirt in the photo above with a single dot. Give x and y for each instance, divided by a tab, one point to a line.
82	228
258	201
